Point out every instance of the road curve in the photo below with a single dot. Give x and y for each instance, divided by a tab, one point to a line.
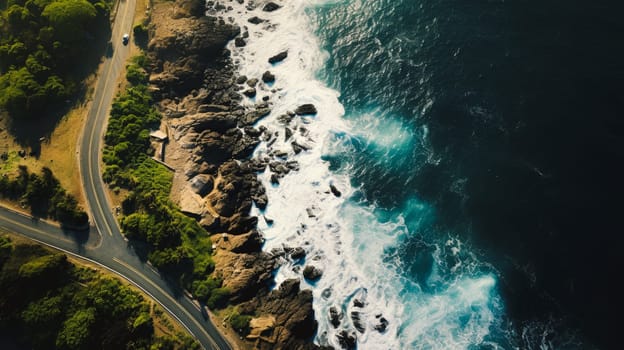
112	250
122	261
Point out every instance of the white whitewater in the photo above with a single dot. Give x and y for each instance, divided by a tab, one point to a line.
342	236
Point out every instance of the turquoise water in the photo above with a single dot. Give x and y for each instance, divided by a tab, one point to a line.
433	123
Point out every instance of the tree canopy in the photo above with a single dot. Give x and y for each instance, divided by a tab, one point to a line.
70	18
71	308
42	42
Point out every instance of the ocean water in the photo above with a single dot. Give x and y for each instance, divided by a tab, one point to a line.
472	145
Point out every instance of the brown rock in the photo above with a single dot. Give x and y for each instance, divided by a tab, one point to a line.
183	37
312	273
255	115
268	77
239	42
202	184
297	253
244	274
261	326
334	190
238	223
250	242
306	109
293	309
335	317
189	8
250	92
347	340
209	222
241	79
279	57
252	82
270	7
255	20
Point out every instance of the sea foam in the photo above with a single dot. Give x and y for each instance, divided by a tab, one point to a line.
355	243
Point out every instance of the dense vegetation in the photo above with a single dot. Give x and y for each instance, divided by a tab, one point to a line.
46	302
176	244
44	196
43	44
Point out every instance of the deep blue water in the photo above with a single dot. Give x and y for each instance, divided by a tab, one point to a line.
496	123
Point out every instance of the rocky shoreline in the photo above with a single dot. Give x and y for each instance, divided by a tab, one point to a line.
209	140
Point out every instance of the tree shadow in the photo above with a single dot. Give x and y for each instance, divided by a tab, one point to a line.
82	237
140	249
171	275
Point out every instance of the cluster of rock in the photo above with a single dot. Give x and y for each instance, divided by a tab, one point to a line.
211	137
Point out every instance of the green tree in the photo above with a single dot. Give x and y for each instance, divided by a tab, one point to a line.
17	17
76	330
44	268
70	18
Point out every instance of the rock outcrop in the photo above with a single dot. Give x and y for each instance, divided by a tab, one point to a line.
194	84
181	46
294	317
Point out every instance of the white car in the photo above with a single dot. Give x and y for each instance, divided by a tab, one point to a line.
125	39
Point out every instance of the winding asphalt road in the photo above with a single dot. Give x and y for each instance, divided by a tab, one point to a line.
104	244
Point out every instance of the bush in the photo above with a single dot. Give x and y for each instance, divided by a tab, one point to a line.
140	34
240	323
203	290
136	75
218	298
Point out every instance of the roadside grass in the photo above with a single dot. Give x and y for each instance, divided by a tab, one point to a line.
59	152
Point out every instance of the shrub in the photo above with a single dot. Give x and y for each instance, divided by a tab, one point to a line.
218	298
240	323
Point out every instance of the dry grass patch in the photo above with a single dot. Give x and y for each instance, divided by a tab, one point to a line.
59	152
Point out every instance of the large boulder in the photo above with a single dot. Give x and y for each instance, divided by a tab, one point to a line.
335	316
347	340
268	77
255	20
305	109
270	7
247	243
191	204
201	184
278	58
232	192
312	273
